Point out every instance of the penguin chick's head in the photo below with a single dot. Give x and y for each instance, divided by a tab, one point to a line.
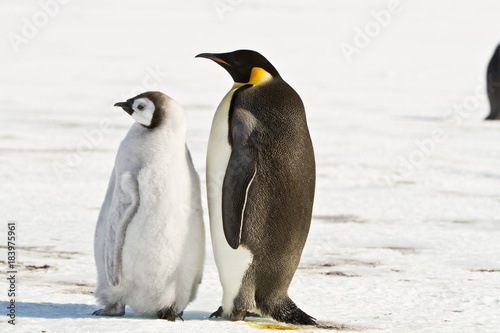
146	108
244	65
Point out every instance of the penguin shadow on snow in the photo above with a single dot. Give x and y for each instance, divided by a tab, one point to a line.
186	316
73	310
51	310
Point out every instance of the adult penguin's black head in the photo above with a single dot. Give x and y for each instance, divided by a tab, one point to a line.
242	64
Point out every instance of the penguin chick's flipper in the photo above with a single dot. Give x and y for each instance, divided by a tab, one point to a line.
123	208
217	314
240	173
169	314
113	310
288	312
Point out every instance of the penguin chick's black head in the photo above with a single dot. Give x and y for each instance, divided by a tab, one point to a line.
146	108
240	63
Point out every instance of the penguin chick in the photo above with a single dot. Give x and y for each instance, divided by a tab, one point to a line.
149	240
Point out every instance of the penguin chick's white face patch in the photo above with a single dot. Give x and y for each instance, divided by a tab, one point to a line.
143	111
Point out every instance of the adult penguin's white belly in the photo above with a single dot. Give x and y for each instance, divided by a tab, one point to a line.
231	263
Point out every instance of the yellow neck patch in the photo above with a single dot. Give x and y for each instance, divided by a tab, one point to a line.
259	75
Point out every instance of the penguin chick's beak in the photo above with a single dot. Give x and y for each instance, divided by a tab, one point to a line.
213	57
125	107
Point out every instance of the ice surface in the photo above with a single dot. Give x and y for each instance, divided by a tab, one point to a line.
406	228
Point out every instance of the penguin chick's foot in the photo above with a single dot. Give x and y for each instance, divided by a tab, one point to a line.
169	314
113	310
217	314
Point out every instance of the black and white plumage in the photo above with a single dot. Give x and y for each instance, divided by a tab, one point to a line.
149	240
260	183
493	85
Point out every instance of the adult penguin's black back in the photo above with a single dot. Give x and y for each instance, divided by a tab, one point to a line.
493	85
267	188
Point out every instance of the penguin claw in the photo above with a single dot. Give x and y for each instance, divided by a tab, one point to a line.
169	314
104	312
217	314
253	314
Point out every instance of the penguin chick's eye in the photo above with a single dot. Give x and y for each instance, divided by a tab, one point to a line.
140	107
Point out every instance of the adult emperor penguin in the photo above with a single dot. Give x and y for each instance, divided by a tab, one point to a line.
493	85
260	182
150	240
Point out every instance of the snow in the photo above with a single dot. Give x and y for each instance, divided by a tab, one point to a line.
406	228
